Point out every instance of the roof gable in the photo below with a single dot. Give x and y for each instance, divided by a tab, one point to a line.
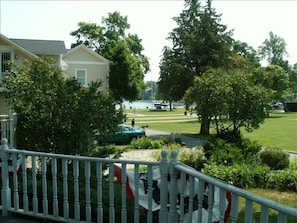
87	50
42	47
16	46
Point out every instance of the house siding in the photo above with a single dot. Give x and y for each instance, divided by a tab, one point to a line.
96	69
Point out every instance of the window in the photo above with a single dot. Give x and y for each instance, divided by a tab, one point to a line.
81	77
5	58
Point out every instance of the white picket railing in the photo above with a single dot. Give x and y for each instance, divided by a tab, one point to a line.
8	126
77	188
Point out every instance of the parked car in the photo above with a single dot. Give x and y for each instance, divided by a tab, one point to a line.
277	106
124	135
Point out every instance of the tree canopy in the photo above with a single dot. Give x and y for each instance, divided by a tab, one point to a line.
56	114
231	100
124	51
274	50
273	78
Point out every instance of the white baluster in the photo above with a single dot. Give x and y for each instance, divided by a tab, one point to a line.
88	191
55	187
234	208
76	190
172	215
281	217
210	202
200	194
136	194
191	201
183	195
248	212
25	184
99	193
124	196
5	190
222	205
34	185
15	182
163	214
150	193
65	189
44	186
111	194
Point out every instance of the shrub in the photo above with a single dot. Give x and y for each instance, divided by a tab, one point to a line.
145	143
239	175
293	165
282	180
275	158
221	151
104	151
192	157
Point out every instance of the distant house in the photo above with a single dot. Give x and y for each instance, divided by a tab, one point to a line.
80	62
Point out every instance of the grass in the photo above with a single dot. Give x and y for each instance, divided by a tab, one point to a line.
279	130
287	198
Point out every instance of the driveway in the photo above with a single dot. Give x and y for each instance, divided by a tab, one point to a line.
190	142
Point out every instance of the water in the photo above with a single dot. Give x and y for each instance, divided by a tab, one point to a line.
141	104
145	104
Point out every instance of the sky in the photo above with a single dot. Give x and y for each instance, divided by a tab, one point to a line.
251	21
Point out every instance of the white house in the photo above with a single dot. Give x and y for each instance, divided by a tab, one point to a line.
80	62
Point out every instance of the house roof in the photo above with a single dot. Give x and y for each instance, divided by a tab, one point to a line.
83	47
43	47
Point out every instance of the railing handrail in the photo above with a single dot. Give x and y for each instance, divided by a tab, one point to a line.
228	187
78	157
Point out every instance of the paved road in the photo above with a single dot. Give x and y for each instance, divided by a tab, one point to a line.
190	142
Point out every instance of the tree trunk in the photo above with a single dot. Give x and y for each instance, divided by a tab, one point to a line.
205	124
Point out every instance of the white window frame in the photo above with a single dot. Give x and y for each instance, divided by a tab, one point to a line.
79	78
2	73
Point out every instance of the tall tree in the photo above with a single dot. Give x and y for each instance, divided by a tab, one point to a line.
274	50
200	42
56	114
128	65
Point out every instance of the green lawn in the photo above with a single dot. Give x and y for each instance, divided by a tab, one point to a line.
279	130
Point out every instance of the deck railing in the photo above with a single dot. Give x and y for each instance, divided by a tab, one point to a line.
86	189
8	126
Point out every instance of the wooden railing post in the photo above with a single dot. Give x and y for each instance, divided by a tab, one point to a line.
12	129
163	214
172	215
5	190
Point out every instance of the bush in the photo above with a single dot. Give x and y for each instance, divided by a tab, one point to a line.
275	158
282	180
239	175
104	152
192	157
293	165
221	151
145	143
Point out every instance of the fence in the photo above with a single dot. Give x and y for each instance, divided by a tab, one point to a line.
87	189
8	127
